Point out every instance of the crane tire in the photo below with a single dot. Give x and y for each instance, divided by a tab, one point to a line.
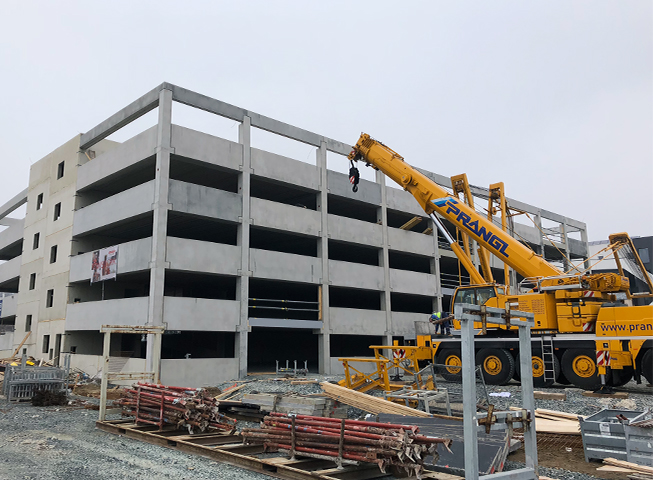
621	377
538	370
647	366
449	365
579	367
497	365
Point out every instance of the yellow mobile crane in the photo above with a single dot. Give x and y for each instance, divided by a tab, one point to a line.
581	326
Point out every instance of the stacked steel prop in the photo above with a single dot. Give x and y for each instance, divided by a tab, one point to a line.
346	441
180	406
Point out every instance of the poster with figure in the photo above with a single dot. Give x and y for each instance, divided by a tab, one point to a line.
104	264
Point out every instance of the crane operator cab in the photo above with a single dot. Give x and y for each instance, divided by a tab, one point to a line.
489	295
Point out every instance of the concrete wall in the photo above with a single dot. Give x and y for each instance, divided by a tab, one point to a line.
12	234
353	321
206	148
92	315
205	201
132	257
284	266
201	314
206	257
130	203
198	372
9	303
10	270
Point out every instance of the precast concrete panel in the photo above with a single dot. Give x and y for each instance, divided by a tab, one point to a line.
199	256
417	283
9	303
92	315
12	235
284	169
403	323
287	218
132	257
206	148
353	321
205	201
368	192
124	205
285	266
402	201
201	314
129	153
198	372
10	270
355	231
356	275
410	242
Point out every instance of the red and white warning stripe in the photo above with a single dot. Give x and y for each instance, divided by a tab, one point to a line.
589	326
603	358
400	353
588	293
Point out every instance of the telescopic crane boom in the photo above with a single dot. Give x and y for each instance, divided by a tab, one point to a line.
434	198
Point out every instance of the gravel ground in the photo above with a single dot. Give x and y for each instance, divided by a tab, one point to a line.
62	443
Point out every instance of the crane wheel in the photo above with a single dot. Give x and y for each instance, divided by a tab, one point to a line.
449	365
622	376
538	370
647	366
497	365
579	367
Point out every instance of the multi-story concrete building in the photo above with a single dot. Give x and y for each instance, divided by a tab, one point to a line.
245	256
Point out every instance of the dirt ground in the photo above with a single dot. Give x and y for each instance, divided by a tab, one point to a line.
556	456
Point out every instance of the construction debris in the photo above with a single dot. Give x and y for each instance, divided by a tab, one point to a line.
641	469
180	406
46	398
297	404
368	403
347	441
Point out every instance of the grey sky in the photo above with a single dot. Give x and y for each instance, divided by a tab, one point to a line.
554	98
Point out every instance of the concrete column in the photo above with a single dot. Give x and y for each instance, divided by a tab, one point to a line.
565	240
242	290
584	239
538	223
324	342
160	208
384	258
435	270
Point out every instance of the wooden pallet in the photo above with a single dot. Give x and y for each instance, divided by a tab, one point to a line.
225	448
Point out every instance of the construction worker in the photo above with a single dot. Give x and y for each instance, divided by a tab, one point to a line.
442	320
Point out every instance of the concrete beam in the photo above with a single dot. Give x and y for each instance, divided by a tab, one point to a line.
283	323
12	205
115	122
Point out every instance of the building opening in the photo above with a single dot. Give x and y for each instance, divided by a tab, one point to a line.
267	345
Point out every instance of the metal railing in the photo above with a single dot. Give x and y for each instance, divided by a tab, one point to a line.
22	381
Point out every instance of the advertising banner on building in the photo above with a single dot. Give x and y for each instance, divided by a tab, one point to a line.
104	264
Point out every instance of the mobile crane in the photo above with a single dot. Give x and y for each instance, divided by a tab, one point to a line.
584	333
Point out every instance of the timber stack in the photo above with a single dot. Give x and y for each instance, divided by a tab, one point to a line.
163	405
346	441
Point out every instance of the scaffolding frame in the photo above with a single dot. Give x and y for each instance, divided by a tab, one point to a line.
468	314
156	331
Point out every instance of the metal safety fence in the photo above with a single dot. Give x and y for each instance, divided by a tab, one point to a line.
22	381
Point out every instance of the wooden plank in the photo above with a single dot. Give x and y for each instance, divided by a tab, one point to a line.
428	231
21	344
411	223
368	403
556	413
227	393
563	427
610	468
633	466
549	395
621	395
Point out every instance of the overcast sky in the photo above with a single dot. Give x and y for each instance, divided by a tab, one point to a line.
554	98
